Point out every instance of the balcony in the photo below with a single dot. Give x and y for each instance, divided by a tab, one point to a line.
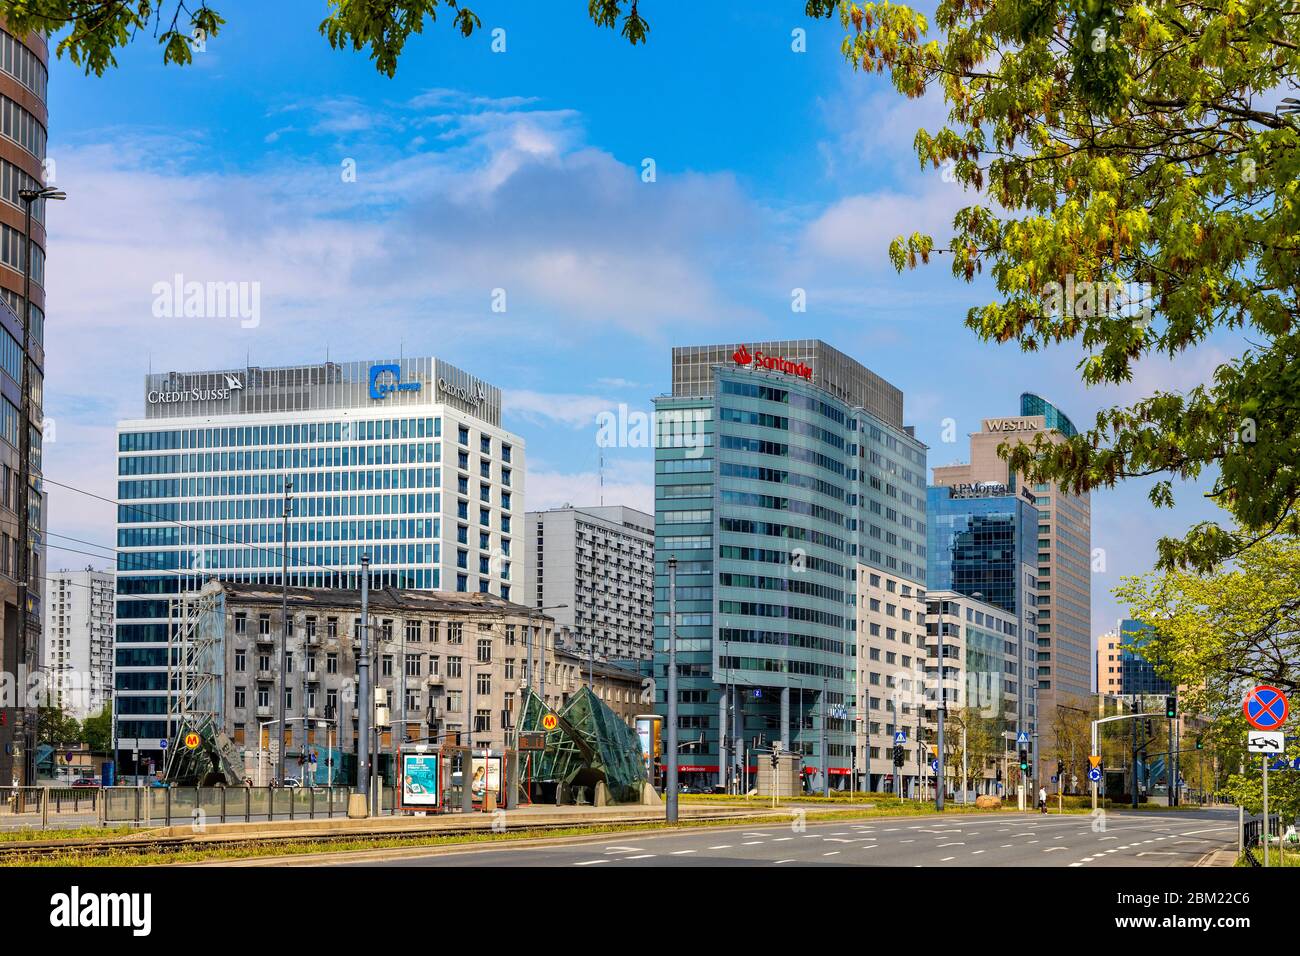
263	710
313	677
434	680
267	677
266	638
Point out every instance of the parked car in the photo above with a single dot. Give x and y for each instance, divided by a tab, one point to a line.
85	782
292	783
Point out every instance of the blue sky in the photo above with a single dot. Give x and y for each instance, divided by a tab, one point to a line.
522	171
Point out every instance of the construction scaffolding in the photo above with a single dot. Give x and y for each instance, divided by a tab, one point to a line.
195	666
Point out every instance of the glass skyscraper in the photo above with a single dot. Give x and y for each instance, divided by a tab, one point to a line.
402	460
1137	674
982	543
779	468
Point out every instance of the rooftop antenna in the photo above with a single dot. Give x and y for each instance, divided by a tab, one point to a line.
600	470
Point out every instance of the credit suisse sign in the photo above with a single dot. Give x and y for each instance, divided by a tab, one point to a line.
158	397
772	363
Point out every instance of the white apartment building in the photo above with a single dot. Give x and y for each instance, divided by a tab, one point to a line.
78	653
599	561
890	679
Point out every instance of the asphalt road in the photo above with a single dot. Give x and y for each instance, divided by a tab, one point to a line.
1130	839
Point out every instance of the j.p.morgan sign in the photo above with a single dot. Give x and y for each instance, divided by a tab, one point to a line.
172	397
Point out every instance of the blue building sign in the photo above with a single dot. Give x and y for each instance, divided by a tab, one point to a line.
385	379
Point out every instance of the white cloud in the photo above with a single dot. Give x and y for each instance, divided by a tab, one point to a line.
860	228
626	482
573	411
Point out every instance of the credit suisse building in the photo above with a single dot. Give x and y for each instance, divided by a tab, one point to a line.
403	460
780	468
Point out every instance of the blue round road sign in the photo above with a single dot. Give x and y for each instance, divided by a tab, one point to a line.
934	765
1265	707
162	744
1094	774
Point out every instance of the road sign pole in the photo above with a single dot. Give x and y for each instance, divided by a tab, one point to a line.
1264	761
938	774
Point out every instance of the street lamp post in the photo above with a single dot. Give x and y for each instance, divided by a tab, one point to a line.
25	643
284	630
670	798
365	697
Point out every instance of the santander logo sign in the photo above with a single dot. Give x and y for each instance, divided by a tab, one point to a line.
772	363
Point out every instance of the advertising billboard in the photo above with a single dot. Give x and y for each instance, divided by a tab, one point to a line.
420	788
485	776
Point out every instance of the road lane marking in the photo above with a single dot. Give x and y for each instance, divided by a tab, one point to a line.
942	845
751	843
976	852
590	862
832	853
721	846
1049	849
681	852
643	856
947	858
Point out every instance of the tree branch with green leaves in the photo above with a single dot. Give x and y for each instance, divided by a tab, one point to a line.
1121	149
97	29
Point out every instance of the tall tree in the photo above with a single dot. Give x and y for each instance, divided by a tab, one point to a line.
97	29
97	731
56	728
1136	196
1216	633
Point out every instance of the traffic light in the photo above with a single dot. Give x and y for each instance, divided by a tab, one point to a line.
1024	760
1171	707
899	756
1060	767
1200	744
1149	727
776	759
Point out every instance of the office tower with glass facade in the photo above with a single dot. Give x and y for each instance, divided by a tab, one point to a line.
402	460
1063	564
23	82
981	541
780	467
1137	674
